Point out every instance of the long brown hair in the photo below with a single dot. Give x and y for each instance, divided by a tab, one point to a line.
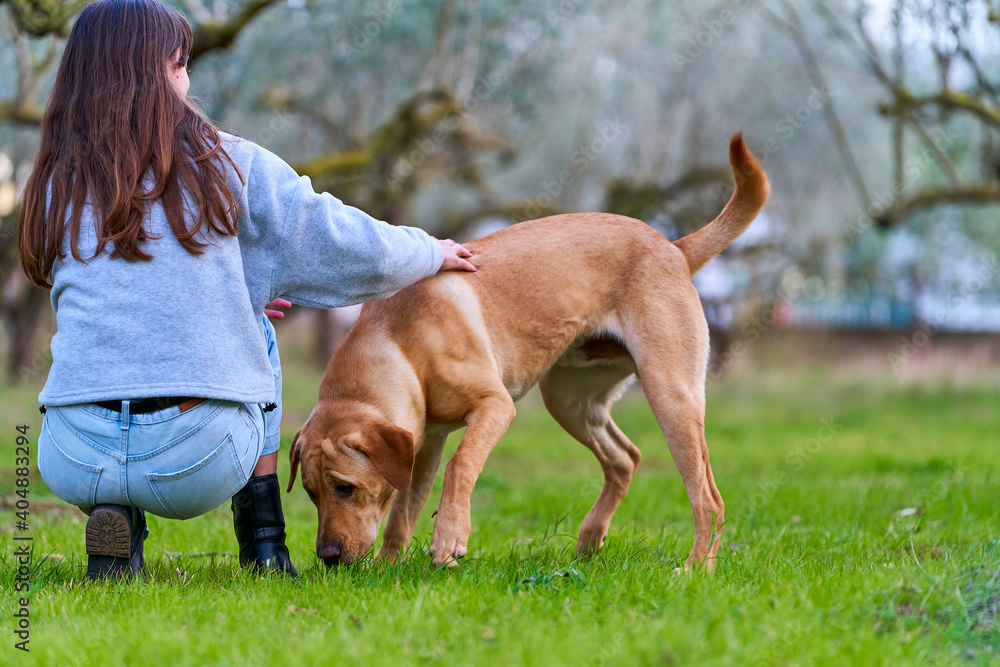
114	124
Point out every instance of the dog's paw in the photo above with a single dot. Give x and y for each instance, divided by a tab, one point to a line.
591	540
450	539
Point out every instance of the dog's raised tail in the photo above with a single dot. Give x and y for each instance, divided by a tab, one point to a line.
752	189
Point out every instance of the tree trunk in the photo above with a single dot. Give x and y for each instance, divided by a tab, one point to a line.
24	361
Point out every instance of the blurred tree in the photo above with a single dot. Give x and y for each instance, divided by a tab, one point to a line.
42	17
48	22
447	114
936	86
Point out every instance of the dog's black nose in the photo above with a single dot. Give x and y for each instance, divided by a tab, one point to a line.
330	553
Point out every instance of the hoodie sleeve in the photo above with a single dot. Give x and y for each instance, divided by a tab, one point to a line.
316	250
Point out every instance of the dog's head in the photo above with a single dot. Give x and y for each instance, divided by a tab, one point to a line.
353	462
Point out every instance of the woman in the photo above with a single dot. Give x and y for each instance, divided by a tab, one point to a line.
161	239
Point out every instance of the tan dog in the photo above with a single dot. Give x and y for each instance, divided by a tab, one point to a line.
577	303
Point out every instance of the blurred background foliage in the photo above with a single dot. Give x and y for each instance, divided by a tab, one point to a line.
877	121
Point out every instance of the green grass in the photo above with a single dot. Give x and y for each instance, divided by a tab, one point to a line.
817	565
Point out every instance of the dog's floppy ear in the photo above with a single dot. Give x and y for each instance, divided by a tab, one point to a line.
293	456
391	450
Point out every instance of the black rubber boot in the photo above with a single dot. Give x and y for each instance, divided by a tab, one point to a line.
115	534
260	526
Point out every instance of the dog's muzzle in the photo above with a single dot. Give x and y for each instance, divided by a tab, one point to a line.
330	554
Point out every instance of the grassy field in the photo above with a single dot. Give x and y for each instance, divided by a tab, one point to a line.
863	528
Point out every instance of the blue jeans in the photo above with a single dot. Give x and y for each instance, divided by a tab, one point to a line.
171	463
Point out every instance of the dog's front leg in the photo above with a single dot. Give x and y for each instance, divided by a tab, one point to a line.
486	424
409	501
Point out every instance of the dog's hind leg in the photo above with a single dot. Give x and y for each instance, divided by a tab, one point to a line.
580	399
671	352
681	415
410	501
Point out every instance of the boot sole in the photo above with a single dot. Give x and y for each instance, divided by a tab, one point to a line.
108	533
109	545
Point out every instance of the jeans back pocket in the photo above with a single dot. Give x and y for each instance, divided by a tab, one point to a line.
201	487
71	480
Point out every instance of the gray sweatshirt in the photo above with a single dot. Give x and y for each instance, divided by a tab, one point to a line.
187	325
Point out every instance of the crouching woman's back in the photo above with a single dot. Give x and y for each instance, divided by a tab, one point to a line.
161	240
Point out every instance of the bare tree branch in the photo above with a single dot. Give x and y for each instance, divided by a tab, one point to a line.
336	164
942	157
637	199
909	110
946	99
898	130
966	194
793	25
469	62
42	17
21	110
20	116
221	34
52	18
427	139
868	46
430	77
40	68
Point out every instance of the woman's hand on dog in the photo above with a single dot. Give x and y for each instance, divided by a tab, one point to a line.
454	256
